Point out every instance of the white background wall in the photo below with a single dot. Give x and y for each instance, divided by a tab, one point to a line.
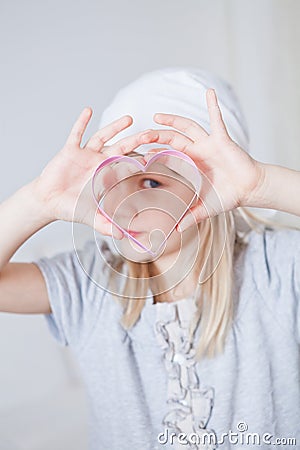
59	56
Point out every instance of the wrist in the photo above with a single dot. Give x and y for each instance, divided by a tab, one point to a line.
277	188
258	195
35	204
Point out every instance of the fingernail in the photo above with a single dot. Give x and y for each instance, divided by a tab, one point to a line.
121	235
117	234
146	138
185	223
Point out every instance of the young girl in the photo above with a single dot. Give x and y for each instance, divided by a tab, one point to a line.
198	346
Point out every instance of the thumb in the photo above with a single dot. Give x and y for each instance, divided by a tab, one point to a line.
105	227
194	216
152	152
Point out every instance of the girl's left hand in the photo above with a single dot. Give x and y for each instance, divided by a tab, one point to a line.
234	175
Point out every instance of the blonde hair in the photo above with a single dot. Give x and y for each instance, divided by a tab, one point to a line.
214	301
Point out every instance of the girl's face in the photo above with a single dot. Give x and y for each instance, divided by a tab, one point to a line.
148	205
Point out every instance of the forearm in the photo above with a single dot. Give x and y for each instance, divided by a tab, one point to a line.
280	189
21	215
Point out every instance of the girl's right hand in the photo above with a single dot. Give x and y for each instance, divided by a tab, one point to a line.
61	182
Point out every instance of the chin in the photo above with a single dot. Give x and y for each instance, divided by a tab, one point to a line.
132	252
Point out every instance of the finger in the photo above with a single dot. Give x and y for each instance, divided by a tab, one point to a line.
153	151
188	126
97	141
195	215
79	128
174	139
126	145
105	227
217	124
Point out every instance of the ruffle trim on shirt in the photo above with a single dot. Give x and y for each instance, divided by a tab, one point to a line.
190	403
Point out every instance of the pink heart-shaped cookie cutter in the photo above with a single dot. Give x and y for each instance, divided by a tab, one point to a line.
123	158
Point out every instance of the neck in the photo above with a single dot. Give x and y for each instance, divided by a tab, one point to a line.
168	281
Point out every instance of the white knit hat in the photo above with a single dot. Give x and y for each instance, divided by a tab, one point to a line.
178	91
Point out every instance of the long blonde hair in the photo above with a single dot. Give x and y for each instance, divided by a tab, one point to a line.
214	301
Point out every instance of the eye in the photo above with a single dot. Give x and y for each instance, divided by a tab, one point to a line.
150	183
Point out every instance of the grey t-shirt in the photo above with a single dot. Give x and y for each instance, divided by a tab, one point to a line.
253	387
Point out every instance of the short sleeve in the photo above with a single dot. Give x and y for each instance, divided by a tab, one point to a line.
278	277
296	274
76	284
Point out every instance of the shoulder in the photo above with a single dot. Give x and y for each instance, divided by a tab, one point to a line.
274	264
270	262
95	259
275	247
90	262
77	283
